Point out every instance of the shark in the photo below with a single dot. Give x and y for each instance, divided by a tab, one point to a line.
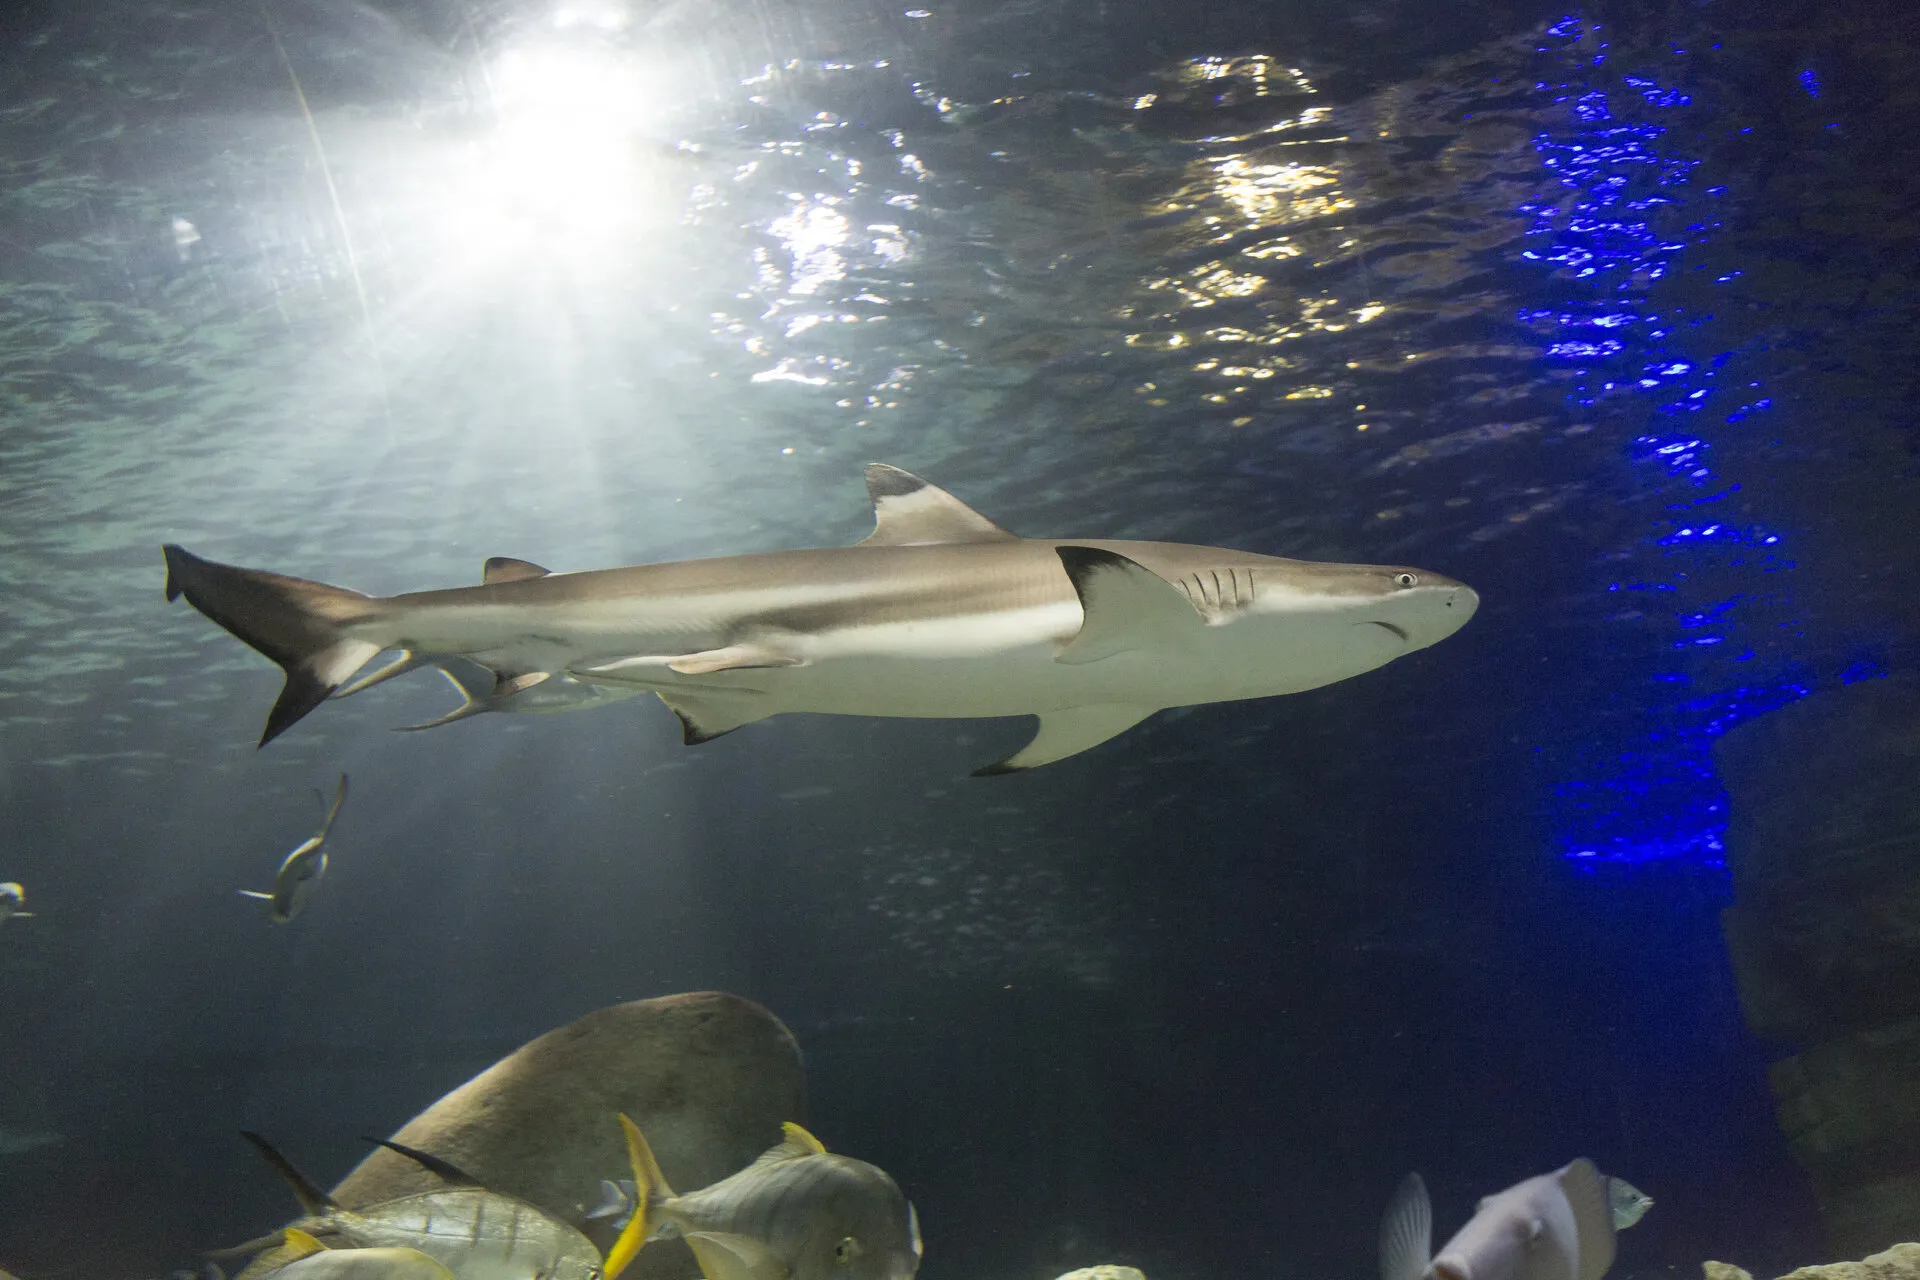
939	612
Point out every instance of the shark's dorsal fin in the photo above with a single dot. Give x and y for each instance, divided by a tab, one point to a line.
909	512
507	569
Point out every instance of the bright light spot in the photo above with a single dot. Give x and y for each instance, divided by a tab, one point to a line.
814	234
566	167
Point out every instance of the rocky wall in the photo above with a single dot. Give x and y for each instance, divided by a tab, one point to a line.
1823	844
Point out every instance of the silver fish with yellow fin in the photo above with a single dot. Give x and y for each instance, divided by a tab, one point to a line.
475	1233
316	1261
13	901
796	1213
302	869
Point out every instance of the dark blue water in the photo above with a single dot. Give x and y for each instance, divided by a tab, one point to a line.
1606	313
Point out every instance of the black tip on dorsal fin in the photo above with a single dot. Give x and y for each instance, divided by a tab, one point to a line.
312	1199
452	1173
508	569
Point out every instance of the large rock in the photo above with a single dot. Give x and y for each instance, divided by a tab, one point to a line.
1823	843
1902	1262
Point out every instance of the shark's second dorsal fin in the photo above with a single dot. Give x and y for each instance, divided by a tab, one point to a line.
507	569
909	512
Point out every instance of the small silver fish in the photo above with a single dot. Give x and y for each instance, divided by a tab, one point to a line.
316	1261
475	1233
13	901
1557	1226
1626	1202
796	1213
302	869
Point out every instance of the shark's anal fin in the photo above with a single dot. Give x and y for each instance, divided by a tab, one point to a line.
706	716
507	569
1124	605
1068	732
735	657
909	512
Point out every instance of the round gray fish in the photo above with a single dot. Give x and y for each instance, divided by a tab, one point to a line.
799	1212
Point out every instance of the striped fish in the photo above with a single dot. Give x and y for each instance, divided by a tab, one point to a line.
475	1233
796	1213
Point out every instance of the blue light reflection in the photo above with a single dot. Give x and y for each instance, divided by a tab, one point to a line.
1632	312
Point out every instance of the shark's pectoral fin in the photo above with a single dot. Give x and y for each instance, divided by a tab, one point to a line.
1124	605
909	512
1068	732
707	715
735	657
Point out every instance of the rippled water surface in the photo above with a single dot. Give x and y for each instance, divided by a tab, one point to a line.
1608	313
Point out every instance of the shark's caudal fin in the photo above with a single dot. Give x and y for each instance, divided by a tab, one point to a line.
1406	1231
295	622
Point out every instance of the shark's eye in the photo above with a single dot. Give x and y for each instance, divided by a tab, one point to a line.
1406	579
846	1251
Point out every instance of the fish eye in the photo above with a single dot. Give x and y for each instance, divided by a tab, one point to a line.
1406	579
593	1273
846	1251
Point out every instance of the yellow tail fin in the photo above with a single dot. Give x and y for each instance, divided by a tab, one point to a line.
649	1188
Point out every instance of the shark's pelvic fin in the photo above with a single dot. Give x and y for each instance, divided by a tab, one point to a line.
295	622
909	512
705	716
407	661
1125	605
1068	732
507	569
734	657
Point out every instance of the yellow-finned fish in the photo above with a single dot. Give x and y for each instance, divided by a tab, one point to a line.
13	902
302	869
475	1233
315	1261
796	1213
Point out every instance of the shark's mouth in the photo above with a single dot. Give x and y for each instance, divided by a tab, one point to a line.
1391	627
